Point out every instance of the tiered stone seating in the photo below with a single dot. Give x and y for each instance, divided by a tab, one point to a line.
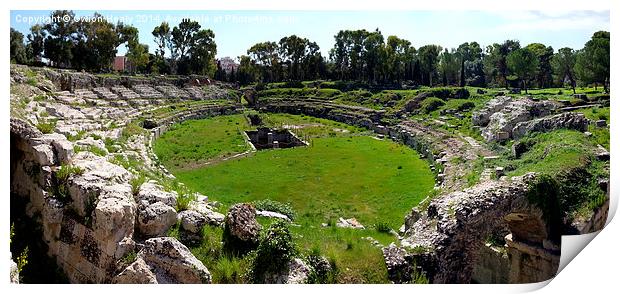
68	97
172	92
195	92
147	92
90	97
104	93
85	94
125	93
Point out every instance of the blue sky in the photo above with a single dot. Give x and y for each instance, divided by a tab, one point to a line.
236	31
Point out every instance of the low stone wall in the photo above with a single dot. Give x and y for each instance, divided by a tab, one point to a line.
492	266
352	115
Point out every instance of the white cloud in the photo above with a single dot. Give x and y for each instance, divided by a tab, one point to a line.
552	20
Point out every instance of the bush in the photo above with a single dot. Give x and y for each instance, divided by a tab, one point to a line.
431	104
61	177
383	227
466	106
136	182
323	271
275	250
46	127
275	206
184	198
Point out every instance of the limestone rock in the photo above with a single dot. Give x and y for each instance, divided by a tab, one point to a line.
399	269
114	220
156	219
272	214
44	154
296	272
14	274
214	218
349	223
504	114
241	223
136	273
566	120
172	262
192	221
150	192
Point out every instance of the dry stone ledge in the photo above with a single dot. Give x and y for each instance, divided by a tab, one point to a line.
213	218
192	221
14	274
566	120
172	262
471	215
295	272
241	223
155	219
150	192
136	273
350	223
501	114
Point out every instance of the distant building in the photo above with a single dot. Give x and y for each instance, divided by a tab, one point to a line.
228	64
121	64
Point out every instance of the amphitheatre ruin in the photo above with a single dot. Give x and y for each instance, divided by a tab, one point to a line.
107	210
178	172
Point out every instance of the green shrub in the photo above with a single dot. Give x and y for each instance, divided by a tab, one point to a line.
275	206
228	270
275	250
60	190
184	198
47	127
323	271
466	106
96	150
431	104
136	182
382	227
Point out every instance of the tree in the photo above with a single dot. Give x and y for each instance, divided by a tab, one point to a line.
95	44
292	50
593	61
36	42
429	58
396	58
17	47
503	51
193	47
543	72
162	37
59	40
138	55
202	53
523	63
563	64
449	65
264	56
467	52
246	72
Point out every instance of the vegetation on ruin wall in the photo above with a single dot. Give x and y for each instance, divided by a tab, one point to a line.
341	174
566	160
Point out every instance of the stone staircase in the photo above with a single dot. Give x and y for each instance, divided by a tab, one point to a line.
104	93
195	92
173	92
147	92
125	93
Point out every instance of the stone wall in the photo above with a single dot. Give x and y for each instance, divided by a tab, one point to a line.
492	266
89	231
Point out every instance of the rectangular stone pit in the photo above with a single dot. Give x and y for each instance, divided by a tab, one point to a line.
266	138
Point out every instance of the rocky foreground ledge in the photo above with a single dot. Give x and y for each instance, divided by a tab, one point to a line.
102	224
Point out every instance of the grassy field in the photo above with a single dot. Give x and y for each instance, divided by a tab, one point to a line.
343	173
